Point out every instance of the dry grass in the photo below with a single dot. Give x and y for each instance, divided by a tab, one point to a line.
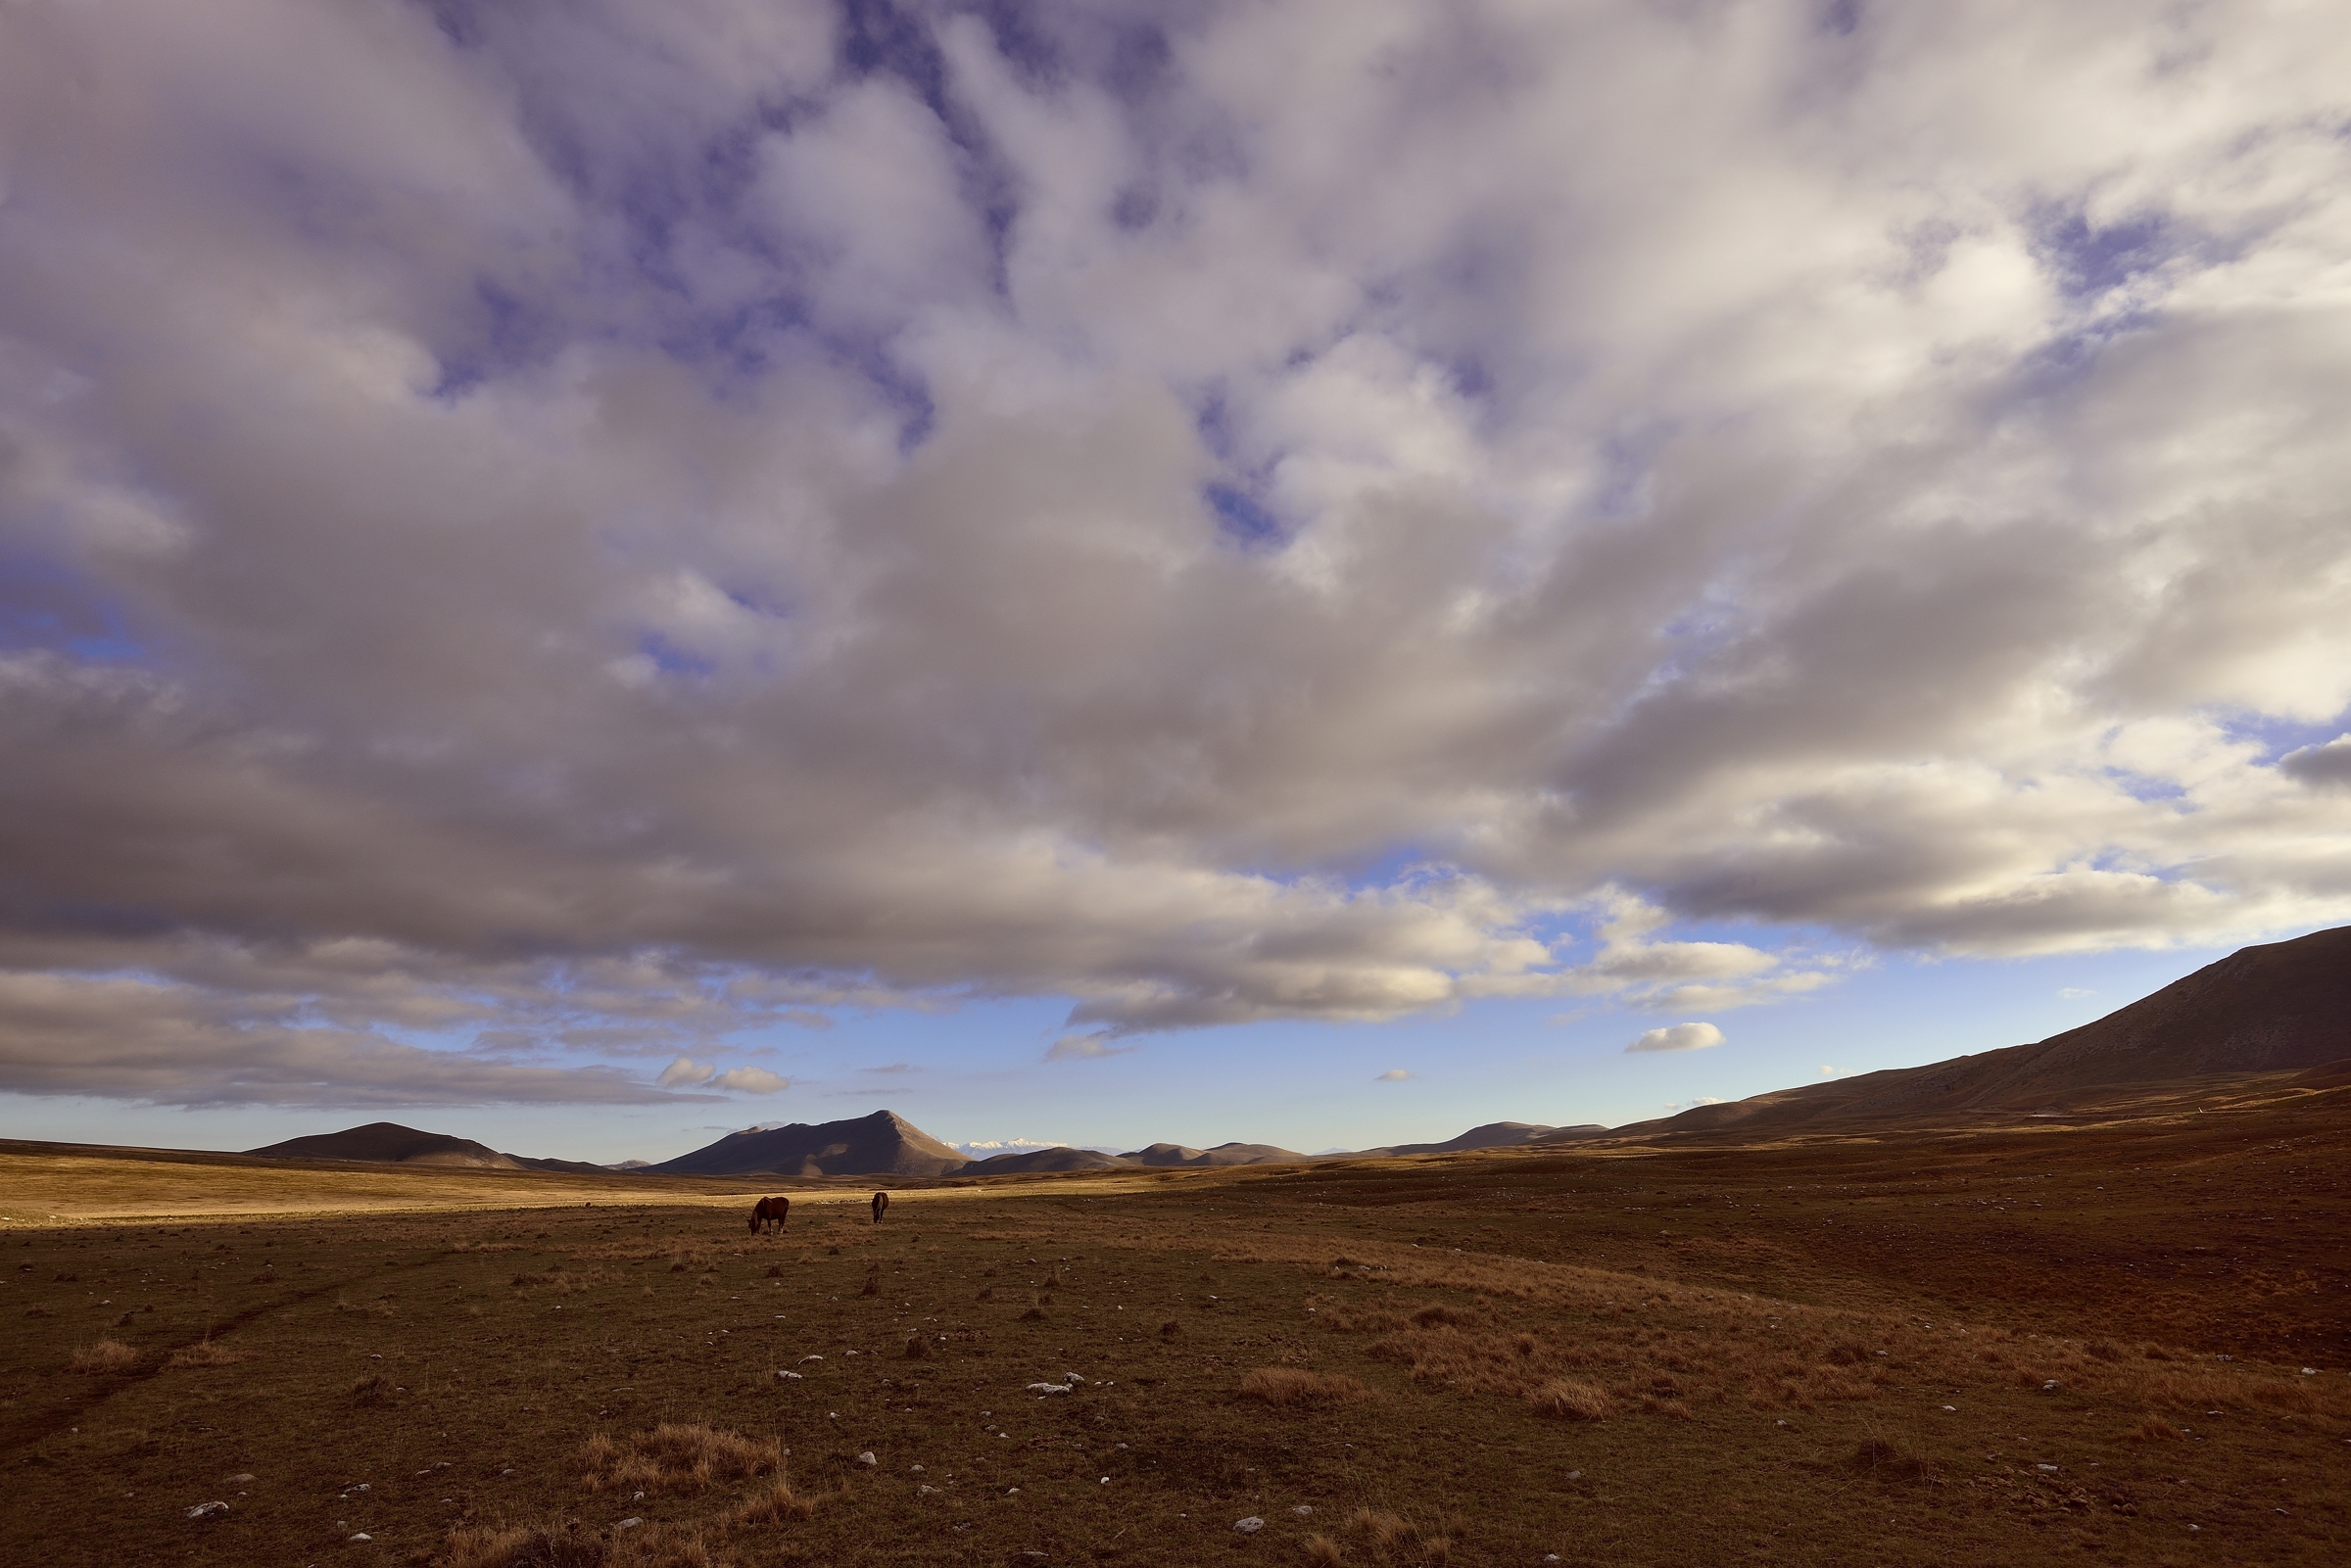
1570	1399
1294	1386
570	1545
563	1282
1323	1552
207	1353
105	1356
778	1505
1878	1458
676	1457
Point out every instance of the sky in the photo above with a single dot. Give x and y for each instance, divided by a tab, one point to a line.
1305	571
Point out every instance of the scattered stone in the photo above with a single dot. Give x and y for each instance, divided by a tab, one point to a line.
1249	1526
630	1523
239	1479
2044	1467
2052	1386
924	1491
867	1458
362	1535
208	1510
783	1376
1303	1511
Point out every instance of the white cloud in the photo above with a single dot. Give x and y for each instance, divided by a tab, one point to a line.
1678	1037
750	1080
1392	1075
1015	536
685	1073
2072	992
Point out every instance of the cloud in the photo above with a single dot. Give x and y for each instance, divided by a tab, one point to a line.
1678	1037
1187	551
750	1080
1087	1047
1392	1075
128	1039
2072	992
2326	767
687	1073
892	1067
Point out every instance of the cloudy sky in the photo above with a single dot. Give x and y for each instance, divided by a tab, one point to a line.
1314	570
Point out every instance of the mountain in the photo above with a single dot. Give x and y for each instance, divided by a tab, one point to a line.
1164	1154
390	1143
1493	1135
883	1144
2276	1007
1029	1160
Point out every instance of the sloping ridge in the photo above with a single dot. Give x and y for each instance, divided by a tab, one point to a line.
1493	1135
2275	1007
1060	1158
390	1143
883	1144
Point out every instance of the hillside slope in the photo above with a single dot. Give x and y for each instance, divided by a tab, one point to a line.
2275	1007
390	1143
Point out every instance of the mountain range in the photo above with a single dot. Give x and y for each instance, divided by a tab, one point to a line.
2281	1005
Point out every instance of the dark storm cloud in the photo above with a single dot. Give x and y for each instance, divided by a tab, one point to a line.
590	529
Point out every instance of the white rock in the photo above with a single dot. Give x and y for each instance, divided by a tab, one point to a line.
2052	1386
867	1458
630	1523
362	1535
783	1376
924	1491
1042	1389
239	1479
208	1510
1249	1526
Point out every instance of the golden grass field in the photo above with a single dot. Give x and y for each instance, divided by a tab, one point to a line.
2042	1344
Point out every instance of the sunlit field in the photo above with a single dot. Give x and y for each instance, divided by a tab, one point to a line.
2119	1344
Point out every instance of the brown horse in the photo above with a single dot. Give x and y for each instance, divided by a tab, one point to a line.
880	1206
776	1209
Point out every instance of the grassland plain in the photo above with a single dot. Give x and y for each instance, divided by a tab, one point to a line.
2025	1345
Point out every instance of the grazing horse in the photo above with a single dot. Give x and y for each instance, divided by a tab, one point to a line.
880	1206
778	1209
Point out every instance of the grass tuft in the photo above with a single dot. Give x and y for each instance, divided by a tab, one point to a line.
207	1353
1294	1386
105	1355
1571	1400
676	1457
